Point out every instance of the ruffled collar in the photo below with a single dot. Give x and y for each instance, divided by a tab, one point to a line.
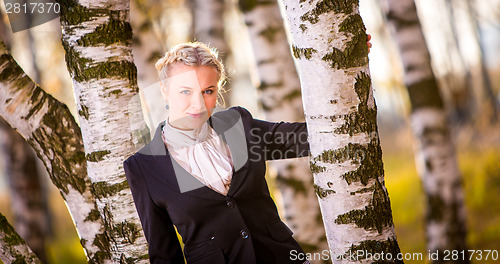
178	138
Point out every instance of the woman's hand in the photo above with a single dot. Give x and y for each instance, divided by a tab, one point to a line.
368	38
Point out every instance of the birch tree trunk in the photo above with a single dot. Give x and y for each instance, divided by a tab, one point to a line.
28	195
329	44
148	46
208	22
50	129
434	152
280	97
97	38
13	248
465	110
448	65
467	37
208	27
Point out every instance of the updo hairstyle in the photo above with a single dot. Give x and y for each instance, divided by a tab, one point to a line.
192	54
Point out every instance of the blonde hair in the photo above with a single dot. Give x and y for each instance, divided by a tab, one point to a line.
192	54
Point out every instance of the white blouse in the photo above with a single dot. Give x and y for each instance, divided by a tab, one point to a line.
202	153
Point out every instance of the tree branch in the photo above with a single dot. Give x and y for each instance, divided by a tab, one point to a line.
48	126
14	248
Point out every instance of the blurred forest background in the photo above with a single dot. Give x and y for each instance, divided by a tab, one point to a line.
463	37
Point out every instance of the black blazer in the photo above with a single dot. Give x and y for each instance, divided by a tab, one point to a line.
242	227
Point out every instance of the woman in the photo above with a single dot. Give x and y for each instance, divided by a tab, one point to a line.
204	172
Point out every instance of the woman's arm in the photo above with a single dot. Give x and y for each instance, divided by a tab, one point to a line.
164	246
280	140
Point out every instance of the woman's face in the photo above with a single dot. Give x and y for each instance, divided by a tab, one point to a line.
191	94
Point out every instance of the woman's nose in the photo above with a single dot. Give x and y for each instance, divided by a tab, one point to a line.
197	101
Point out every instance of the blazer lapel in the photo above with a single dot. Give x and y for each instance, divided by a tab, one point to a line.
159	164
231	128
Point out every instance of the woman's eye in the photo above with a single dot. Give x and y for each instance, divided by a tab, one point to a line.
185	92
209	91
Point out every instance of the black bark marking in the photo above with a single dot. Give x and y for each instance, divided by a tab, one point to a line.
84	69
114	31
425	94
266	61
12	73
269	33
104	189
364	190
353	152
37	100
264	85
94	215
292	95
325	6
97	156
355	54
428	165
322	192
298	186
404	19
435	208
316	168
389	246
375	216
74	14
353	24
128	231
84	112
365	119
371	166
101	241
306	52
249	5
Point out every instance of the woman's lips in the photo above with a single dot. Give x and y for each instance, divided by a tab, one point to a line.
196	115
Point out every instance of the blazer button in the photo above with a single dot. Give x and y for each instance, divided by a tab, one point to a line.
243	234
230	204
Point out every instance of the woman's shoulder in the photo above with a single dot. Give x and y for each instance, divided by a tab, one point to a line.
242	110
228	118
231	114
133	159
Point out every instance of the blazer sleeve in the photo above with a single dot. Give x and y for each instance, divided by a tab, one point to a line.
279	140
164	246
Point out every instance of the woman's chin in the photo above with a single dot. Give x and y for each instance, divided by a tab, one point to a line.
195	123
189	122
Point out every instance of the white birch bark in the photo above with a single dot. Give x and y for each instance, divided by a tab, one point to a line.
280	97
13	248
52	132
97	38
329	44
434	150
